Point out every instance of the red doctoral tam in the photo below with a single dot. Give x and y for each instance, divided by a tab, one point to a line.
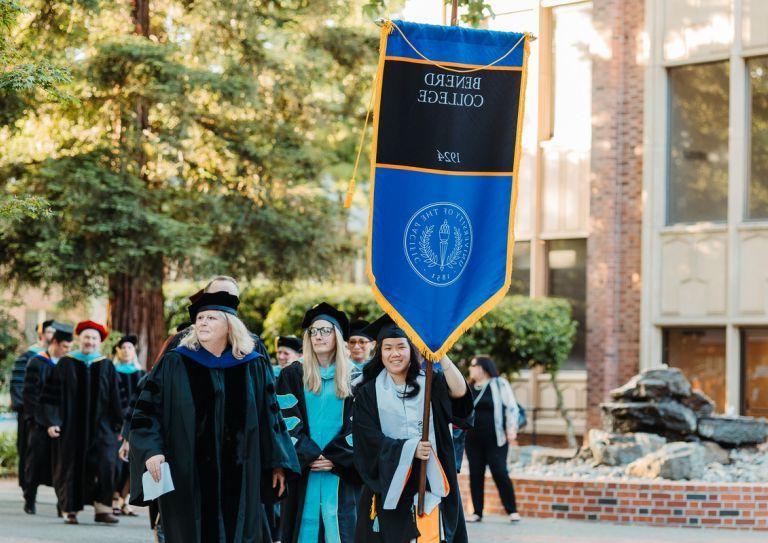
90	325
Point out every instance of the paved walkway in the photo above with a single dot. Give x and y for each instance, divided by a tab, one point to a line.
17	527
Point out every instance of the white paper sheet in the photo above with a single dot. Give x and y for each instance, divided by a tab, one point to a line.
154	489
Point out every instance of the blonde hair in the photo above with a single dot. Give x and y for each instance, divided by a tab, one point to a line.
343	375
238	337
226	278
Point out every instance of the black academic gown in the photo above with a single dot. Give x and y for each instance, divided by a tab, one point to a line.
290	389
377	457
17	404
221	433
129	390
38	469
84	400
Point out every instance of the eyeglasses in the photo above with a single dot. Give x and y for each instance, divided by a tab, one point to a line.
324	331
360	342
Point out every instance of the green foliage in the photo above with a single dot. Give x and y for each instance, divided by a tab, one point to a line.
15	208
9	343
521	332
21	75
287	312
476	10
220	145
9	460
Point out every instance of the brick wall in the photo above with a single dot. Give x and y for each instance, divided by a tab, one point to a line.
614	243
711	505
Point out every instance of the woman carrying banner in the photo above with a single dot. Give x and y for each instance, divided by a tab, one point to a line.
387	429
316	402
209	410
488	441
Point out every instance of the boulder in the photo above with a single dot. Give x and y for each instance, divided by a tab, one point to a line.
620	449
654	384
699	403
667	418
733	431
715	454
551	456
673	461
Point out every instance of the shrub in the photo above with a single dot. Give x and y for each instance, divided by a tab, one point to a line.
287	312
8	458
521	332
9	343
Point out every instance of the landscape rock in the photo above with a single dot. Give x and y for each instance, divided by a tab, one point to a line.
674	461
620	449
667	418
654	384
698	402
551	456
715	454
733	431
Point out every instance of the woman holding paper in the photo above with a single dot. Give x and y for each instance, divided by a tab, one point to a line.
387	430
208	418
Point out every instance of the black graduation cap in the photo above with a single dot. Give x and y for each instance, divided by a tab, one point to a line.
214	301
290	342
384	328
327	312
43	325
63	332
130	338
357	328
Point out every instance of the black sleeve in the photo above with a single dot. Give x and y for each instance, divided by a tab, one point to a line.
290	398
52	396
17	381
32	388
145	435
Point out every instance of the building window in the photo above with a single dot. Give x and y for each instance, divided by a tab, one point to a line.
757	193
521	269
567	278
698	143
572	75
754	394
700	354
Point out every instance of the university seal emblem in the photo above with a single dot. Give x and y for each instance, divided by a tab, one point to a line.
438	243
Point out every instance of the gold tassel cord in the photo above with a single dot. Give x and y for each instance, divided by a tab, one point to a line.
455	70
352	181
386	30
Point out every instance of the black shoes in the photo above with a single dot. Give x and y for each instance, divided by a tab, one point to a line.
106	518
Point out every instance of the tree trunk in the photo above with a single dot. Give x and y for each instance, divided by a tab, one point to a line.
136	301
570	433
136	307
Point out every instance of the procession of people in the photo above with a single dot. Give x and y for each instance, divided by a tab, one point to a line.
322	445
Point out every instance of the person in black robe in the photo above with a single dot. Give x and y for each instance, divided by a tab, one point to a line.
315	396
38	468
129	373
44	334
83	411
387	433
208	409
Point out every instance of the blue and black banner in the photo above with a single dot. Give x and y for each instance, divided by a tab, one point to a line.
448	114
